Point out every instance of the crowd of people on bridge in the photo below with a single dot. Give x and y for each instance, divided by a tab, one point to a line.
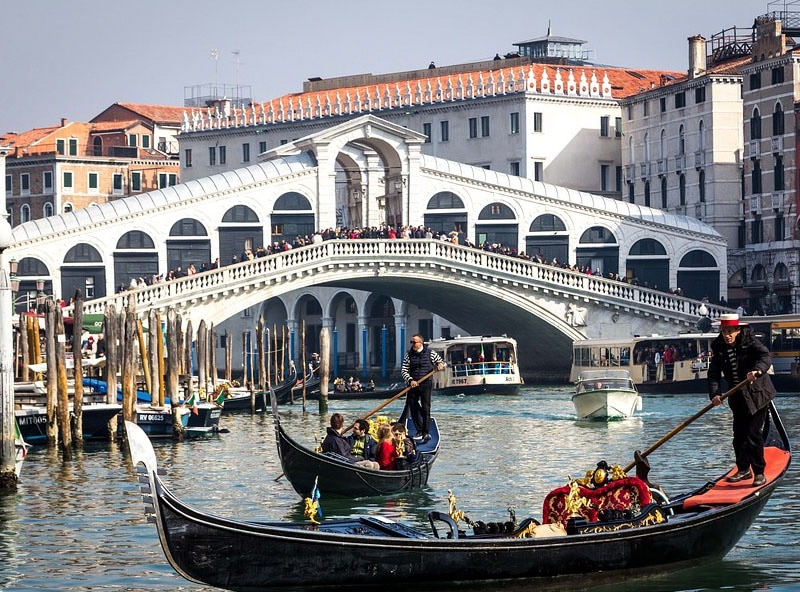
386	231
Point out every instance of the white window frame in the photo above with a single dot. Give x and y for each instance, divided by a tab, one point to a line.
93	175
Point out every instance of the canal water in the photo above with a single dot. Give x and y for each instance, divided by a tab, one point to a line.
80	526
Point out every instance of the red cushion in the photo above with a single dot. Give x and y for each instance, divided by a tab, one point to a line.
630	493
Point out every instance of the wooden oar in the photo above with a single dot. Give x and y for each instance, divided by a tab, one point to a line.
381	406
394	398
642	455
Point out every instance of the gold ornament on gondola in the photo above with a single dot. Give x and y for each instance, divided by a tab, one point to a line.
311	510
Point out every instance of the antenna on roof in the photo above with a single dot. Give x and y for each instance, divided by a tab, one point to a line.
548	27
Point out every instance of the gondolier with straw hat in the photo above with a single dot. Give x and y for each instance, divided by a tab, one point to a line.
739	356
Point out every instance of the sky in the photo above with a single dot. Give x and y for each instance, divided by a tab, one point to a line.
72	59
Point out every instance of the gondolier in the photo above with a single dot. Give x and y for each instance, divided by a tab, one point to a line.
739	355
419	361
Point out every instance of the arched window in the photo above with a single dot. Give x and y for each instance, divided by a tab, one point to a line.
547	223
664	193
755	125
647	193
97	146
497	211
292	201
681	141
663	145
701	181
241	214
647	147
24	213
780	181
188	227
778	124
682	189
445	200
47	210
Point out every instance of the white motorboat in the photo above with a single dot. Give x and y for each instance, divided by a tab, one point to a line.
606	394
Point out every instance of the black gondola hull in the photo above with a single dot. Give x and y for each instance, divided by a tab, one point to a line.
250	556
371	552
336	476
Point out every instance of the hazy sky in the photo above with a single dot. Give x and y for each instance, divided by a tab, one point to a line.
74	58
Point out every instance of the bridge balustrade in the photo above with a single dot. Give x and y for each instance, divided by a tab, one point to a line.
284	266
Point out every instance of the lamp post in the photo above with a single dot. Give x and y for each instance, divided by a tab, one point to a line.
8	478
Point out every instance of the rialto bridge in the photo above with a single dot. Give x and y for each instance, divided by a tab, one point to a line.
371	173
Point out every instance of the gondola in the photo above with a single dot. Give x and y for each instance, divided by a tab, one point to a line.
239	399
339	477
371	552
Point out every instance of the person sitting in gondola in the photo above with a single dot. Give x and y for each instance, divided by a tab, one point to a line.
404	446
386	453
338	385
335	443
362	445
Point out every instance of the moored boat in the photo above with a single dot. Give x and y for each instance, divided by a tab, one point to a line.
605	394
655	536
32	421
241	399
479	365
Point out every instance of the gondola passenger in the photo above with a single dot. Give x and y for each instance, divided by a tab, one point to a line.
386	452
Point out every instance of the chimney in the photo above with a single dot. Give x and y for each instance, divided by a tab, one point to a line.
697	55
63	122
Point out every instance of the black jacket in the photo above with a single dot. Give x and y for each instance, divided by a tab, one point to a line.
751	354
418	364
335	442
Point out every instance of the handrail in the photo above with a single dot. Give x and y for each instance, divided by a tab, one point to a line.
379	254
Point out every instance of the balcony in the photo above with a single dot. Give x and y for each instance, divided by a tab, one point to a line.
644	170
699	159
776	144
754	149
680	163
630	173
777	202
755	204
661	163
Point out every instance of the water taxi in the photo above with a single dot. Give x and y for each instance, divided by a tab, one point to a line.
665	364
477	365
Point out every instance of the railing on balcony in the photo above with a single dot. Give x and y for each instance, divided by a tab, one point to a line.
754	149
644	170
661	163
699	159
776	144
680	163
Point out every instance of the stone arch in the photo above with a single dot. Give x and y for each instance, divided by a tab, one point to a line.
699	275
135	257
188	244
240	230
648	261
30	270
292	216
548	236
83	269
444	222
497	224
598	250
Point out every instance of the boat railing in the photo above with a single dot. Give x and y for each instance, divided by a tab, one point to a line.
481	368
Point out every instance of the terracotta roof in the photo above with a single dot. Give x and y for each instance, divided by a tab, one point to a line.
42	140
112	126
730	66
157	113
623	81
